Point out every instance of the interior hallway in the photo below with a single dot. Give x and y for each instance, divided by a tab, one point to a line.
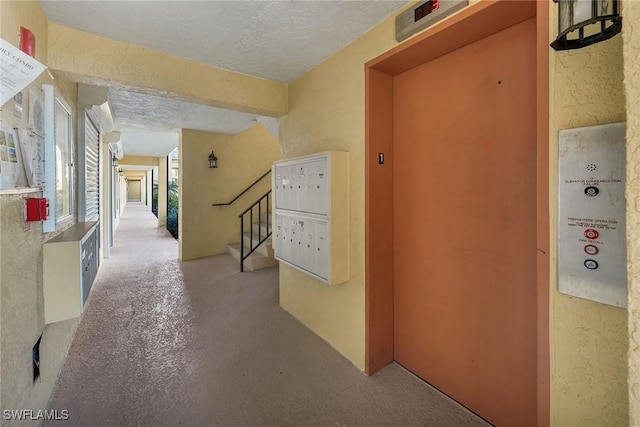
165	343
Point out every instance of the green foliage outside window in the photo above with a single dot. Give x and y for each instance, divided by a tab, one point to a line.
172	209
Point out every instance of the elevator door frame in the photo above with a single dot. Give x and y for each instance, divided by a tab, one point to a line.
470	25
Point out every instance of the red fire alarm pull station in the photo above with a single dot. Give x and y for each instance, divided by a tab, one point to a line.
27	42
36	208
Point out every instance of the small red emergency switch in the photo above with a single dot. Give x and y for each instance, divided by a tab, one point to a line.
37	208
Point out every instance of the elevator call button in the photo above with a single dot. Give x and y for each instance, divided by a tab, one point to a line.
591	191
591	249
591	264
591	234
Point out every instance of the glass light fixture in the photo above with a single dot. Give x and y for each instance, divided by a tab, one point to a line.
585	22
213	160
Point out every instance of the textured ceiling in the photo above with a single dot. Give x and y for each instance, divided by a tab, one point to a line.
149	124
276	40
135	111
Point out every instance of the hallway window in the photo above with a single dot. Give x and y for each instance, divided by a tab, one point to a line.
64	161
59	160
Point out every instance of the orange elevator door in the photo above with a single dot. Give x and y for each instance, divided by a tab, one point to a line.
464	188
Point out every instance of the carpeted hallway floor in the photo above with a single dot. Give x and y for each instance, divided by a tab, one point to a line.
164	343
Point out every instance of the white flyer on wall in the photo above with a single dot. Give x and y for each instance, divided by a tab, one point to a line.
32	147
36	111
17	70
8	159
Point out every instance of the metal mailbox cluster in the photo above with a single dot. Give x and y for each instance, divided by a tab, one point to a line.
302	186
311	215
303	243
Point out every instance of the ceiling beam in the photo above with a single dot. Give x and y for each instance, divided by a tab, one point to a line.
100	61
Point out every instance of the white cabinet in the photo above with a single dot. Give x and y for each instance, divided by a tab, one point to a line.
311	200
70	264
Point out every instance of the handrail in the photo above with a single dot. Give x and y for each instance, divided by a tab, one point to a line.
261	238
245	190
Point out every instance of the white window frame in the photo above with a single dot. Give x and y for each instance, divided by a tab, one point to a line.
52	102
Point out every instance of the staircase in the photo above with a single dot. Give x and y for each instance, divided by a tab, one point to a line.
263	255
254	251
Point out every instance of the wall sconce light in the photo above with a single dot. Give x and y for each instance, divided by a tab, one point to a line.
585	22
213	160
114	161
120	172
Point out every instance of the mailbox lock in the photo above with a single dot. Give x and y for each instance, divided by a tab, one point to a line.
591	234
591	264
591	191
591	249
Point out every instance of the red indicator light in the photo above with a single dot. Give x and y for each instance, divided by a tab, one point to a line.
425	9
591	234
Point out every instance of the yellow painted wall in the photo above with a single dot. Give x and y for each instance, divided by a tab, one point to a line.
21	296
138	161
588	339
97	60
326	112
631	55
134	190
242	158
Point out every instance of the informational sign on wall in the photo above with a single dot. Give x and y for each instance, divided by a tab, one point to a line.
17	69
592	253
32	146
9	166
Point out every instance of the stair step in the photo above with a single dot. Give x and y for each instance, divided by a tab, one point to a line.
255	261
265	248
262	227
263	217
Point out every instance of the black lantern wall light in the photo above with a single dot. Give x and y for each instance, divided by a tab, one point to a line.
585	22
213	160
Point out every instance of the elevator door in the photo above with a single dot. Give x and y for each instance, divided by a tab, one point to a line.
464	188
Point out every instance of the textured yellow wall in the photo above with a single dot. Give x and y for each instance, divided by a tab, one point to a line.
631	54
95	60
242	159
21	297
139	161
588	339
28	14
326	112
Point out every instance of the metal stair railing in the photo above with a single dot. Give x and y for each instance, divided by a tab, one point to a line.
244	191
261	238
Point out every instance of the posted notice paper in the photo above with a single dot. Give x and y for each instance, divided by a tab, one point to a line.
17	70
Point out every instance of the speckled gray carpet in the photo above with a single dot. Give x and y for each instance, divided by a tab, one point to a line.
164	343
